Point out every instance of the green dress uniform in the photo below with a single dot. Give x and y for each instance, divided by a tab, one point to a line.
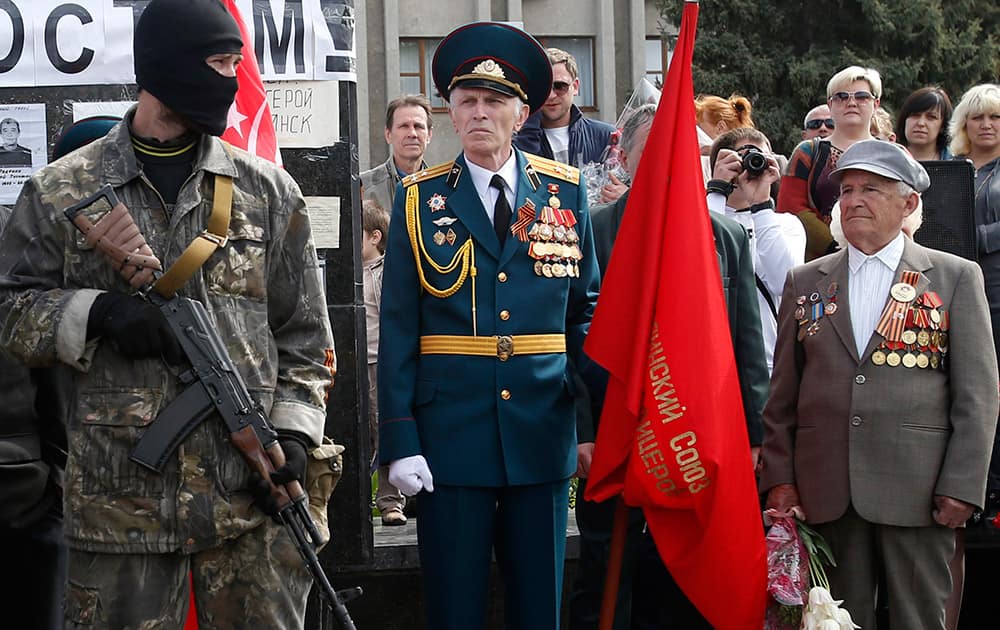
473	369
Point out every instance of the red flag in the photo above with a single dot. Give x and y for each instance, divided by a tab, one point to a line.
672	437
250	125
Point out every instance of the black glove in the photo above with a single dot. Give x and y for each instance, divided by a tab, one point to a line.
136	328
294	446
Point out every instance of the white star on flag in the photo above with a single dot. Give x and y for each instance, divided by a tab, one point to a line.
234	119
260	138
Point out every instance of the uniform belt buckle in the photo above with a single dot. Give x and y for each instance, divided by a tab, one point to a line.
505	347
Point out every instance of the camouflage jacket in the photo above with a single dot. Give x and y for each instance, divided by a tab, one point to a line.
262	289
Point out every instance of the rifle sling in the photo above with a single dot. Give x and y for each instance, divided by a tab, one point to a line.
214	237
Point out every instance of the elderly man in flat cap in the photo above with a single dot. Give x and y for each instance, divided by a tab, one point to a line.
489	285
883	397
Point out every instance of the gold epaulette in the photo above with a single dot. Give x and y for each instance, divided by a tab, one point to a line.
552	168
427	173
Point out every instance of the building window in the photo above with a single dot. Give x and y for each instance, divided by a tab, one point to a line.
415	56
657	60
582	49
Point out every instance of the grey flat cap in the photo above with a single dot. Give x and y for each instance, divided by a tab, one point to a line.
887	159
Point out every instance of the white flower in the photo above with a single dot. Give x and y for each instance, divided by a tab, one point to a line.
819	596
824	612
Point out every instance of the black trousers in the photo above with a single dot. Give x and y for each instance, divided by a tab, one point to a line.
648	597
34	573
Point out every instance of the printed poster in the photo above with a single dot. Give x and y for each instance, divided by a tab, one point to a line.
23	147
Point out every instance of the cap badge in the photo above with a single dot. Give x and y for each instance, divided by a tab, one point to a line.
489	67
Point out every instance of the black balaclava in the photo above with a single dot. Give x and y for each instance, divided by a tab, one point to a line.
172	40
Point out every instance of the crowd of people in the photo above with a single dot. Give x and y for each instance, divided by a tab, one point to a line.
835	220
869	393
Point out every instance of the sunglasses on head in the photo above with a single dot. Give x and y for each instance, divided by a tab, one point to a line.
860	96
560	87
816	123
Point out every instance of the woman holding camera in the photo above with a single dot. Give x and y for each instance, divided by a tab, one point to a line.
806	189
922	126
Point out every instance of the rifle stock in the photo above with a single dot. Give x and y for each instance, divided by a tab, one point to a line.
215	384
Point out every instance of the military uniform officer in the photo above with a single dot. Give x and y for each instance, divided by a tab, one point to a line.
486	288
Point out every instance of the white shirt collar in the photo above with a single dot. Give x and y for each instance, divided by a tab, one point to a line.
888	255
481	177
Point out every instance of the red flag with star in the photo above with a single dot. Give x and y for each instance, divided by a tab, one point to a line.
672	437
250	125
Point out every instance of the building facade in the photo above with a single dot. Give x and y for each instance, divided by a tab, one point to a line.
615	42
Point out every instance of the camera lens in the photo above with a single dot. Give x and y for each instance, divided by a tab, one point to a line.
754	162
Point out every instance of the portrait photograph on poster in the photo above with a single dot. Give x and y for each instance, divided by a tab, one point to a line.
22	146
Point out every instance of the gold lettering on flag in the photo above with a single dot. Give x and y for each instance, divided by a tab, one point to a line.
666	401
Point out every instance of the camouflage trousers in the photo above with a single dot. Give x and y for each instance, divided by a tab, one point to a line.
255	581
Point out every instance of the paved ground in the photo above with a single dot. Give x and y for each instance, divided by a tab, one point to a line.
392	596
401	535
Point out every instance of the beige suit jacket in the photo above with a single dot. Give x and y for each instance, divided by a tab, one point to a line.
883	439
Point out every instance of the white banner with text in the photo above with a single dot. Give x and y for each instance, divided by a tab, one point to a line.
89	42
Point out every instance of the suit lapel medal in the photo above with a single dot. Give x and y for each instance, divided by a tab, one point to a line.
553	241
914	328
809	312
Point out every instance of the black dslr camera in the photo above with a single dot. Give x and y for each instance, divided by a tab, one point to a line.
754	161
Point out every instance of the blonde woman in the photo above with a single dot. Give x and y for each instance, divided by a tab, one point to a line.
853	95
975	135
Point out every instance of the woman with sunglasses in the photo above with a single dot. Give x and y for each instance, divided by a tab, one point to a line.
806	189
922	126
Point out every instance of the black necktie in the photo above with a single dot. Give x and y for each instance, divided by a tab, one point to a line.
501	210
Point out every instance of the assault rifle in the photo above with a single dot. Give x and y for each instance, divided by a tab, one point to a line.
214	384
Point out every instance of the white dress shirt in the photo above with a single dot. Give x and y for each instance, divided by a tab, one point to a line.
868	287
487	194
777	243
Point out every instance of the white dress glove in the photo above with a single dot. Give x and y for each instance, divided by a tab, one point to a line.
411	475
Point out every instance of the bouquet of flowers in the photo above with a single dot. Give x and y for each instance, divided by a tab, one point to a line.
797	582
600	173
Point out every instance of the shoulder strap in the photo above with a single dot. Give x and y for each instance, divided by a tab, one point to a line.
767	295
820	154
205	244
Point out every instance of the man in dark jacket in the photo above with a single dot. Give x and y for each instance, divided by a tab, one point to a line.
559	130
32	462
32	458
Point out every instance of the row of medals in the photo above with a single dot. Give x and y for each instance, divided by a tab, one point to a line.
809	315
555	247
922	347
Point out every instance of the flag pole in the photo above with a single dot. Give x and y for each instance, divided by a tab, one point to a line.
612	578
